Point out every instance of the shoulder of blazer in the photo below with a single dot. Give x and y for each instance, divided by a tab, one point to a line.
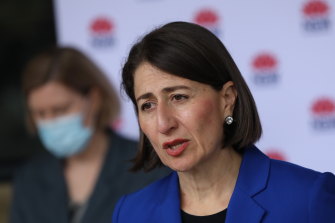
321	203
292	176
258	172
274	190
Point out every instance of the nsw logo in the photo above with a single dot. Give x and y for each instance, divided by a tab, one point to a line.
264	67
209	19
323	111
102	32
275	153
316	16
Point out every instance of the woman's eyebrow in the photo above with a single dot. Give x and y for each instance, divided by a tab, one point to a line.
144	96
174	88
165	90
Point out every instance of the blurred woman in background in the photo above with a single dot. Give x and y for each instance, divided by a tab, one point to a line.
71	106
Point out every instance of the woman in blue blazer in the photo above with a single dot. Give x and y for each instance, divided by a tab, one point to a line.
198	117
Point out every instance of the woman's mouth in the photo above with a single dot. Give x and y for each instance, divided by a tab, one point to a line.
175	147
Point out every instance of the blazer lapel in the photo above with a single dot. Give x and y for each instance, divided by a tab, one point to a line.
243	209
252	179
168	210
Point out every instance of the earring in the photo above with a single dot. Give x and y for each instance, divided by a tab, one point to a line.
229	120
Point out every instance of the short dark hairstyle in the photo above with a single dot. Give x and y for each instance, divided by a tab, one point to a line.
191	51
75	70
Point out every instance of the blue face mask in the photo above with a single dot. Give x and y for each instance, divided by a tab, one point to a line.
64	136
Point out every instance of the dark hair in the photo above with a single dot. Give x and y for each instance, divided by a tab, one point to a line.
190	51
75	70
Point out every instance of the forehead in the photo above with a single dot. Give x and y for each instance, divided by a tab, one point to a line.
146	71
148	78
51	94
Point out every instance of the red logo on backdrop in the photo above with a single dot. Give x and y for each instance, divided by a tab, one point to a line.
316	15
323	111
102	32
265	66
276	154
102	26
209	19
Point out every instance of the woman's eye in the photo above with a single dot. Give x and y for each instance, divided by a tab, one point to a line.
179	97
146	106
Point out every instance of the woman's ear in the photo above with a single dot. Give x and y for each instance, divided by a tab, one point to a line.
228	95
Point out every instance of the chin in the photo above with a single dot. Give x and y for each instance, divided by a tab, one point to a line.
179	167
179	164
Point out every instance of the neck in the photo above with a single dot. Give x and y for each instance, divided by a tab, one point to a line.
82	170
95	150
207	189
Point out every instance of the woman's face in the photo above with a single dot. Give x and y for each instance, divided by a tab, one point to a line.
54	100
183	119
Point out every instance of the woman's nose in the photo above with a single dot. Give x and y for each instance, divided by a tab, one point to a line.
165	119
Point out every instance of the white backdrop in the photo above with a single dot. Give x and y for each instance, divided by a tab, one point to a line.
284	49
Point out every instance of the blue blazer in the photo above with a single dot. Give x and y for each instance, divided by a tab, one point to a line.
266	191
